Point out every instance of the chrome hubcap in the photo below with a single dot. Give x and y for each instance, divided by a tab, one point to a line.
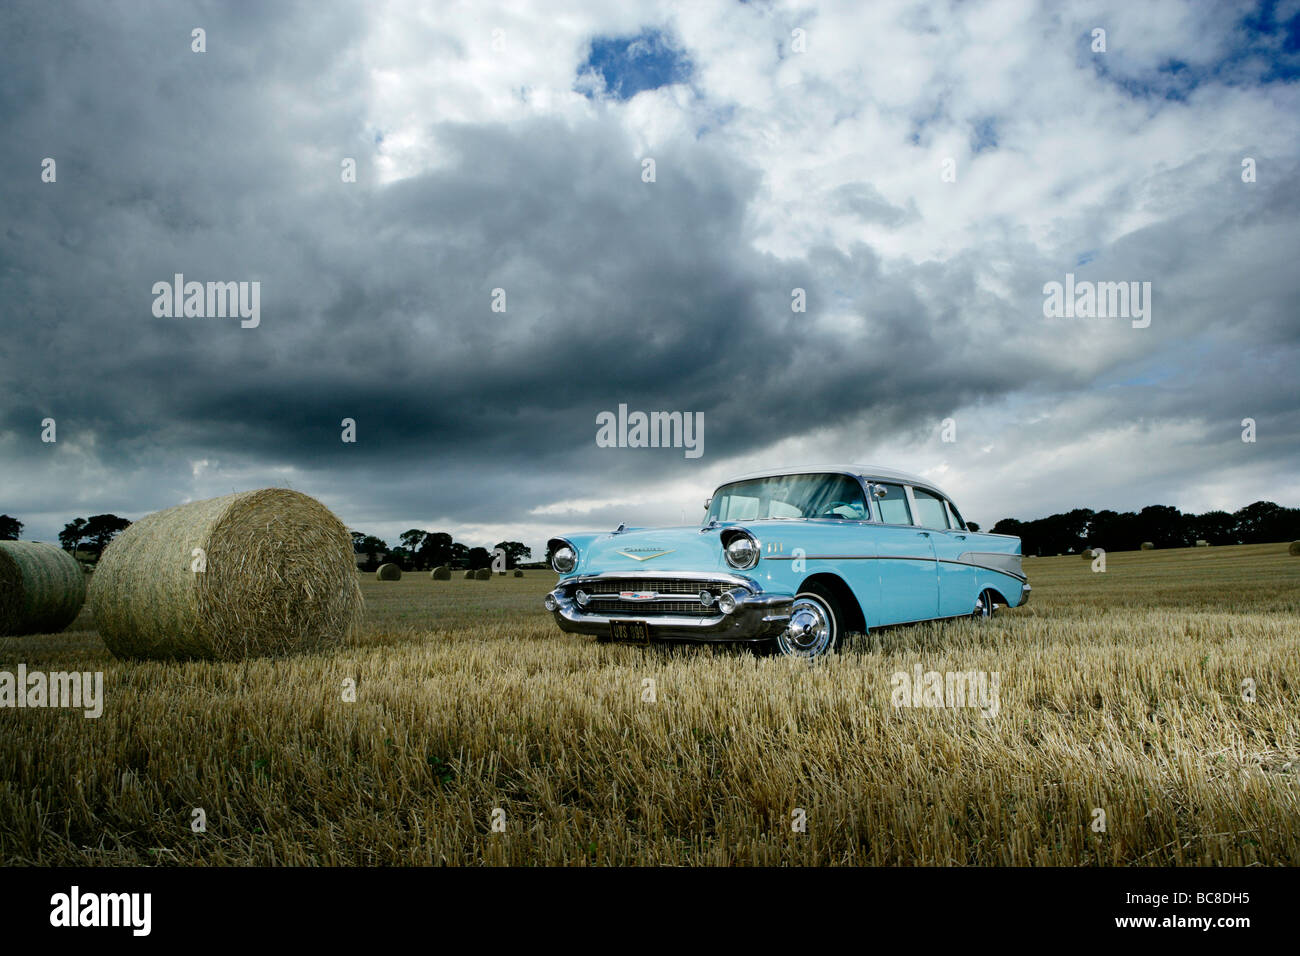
811	628
984	605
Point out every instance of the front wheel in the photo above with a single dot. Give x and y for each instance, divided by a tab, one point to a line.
816	625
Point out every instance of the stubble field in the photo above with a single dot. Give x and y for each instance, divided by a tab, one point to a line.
1119	692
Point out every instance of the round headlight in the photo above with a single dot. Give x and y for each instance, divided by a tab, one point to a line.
727	602
581	597
564	560
742	553
706	598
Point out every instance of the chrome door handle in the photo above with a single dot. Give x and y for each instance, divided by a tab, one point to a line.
925	534
960	537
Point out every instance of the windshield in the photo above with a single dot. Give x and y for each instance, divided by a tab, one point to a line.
789	496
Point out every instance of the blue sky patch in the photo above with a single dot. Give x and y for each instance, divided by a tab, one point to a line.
984	136
630	65
1262	49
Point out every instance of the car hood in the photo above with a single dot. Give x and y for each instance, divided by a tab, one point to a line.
651	550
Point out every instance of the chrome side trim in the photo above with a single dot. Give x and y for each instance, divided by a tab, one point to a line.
1018	574
994	561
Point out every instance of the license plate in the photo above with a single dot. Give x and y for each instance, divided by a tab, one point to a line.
629	632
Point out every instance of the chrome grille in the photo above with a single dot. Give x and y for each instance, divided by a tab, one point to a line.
606	602
661	585
652	608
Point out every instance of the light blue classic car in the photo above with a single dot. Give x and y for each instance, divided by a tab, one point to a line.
791	560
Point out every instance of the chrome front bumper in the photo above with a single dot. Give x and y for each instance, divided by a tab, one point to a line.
758	615
1024	596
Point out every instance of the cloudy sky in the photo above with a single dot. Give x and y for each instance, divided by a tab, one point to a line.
920	171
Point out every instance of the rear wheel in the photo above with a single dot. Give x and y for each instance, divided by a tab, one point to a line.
986	604
816	625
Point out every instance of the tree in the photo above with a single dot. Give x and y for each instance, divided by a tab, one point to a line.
411	541
478	558
1112	531
1265	521
10	528
435	551
1163	526
1213	527
73	533
101	529
370	546
515	552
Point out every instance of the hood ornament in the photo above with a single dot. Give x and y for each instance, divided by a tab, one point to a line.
644	554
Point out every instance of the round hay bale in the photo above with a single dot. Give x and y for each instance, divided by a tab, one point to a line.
1087	554
1294	550
278	577
440	574
389	572
482	574
42	588
469	575
518	573
1148	546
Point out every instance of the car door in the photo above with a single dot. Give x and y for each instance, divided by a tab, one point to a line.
957	581
909	581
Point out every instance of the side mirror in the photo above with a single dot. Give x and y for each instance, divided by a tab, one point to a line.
878	491
707	502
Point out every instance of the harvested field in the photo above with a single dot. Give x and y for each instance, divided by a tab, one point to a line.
1119	691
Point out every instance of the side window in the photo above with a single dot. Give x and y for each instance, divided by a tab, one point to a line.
893	506
955	515
930	510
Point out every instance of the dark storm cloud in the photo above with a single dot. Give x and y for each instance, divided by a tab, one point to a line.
376	299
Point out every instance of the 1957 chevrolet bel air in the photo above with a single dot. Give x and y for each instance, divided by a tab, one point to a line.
791	560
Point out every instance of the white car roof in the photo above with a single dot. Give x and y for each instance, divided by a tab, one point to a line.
862	471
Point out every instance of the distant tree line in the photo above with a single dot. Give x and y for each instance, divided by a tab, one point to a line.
419	550
422	550
1162	525
87	535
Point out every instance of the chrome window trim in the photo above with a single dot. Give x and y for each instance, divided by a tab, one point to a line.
907	496
873	514
916	512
